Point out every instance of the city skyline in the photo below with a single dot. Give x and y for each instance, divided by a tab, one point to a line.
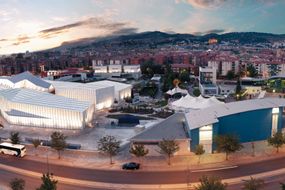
36	25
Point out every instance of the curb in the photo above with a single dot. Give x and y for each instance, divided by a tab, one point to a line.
93	184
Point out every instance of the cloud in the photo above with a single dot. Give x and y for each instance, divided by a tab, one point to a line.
215	31
3	40
22	39
124	31
203	4
94	22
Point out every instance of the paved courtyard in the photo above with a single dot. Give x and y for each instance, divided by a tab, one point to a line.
87	138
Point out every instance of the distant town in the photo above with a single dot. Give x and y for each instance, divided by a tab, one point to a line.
178	108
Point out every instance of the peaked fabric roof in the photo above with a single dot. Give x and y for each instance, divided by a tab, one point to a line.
190	102
170	129
176	90
33	97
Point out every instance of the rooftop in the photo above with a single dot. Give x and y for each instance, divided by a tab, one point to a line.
28	76
27	96
169	129
210	115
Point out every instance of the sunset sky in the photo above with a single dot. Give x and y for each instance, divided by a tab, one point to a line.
41	24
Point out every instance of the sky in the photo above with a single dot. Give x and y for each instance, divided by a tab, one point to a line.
31	25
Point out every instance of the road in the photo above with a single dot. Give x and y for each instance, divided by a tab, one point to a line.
136	177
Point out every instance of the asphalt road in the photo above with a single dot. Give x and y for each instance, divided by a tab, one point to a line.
134	177
33	183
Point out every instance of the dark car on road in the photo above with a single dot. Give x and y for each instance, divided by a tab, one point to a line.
131	166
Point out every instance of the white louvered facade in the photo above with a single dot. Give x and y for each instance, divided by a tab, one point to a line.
41	109
102	96
122	90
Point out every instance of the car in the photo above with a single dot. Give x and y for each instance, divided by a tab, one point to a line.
131	166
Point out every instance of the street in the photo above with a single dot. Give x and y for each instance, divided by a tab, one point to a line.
136	177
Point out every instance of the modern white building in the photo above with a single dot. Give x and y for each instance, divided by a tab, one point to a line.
26	80
21	106
102	96
122	90
117	70
207	81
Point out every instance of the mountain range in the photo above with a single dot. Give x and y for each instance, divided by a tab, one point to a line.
155	38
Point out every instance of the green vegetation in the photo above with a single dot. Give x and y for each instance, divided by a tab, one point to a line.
253	184
168	78
168	147
48	183
17	184
109	145
139	151
227	144
238	87
58	142
149	68
251	71
277	140
199	151
15	137
149	90
230	75
184	76
211	183
196	92
138	109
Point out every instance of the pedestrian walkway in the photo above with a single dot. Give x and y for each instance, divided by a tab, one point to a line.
95	159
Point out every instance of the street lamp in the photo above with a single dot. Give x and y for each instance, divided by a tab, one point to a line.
42	144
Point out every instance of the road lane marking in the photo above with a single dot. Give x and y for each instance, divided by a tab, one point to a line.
214	169
104	185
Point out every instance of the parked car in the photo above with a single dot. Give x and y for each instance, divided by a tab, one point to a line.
131	166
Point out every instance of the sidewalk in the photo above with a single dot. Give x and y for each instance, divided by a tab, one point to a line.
96	160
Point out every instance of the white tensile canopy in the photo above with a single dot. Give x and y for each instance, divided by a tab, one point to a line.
188	103
176	90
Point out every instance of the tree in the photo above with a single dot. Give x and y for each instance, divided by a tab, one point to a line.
199	151
58	142
211	183
230	75
196	92
238	88
139	150
184	76
251	71
277	140
227	144
168	78
168	147
109	145
48	183
14	137
36	143
282	186
17	184
253	184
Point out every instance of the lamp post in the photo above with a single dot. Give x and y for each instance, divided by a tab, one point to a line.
42	144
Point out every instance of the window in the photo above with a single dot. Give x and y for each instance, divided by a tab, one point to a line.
275	112
206	137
